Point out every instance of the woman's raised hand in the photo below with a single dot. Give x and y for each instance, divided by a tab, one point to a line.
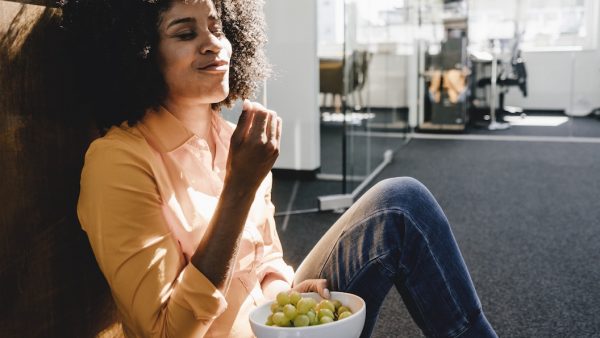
254	146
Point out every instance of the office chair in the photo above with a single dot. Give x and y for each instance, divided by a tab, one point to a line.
515	75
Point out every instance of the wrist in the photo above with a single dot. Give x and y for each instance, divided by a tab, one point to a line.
237	193
238	189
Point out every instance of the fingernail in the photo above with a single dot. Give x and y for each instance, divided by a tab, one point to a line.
326	292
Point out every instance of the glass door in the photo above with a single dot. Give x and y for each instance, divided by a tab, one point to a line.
377	56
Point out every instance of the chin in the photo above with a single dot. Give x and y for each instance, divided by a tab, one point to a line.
218	97
217	92
222	93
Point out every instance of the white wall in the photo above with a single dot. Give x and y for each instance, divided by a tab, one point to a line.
293	91
568	81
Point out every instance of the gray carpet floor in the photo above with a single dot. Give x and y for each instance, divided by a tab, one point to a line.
527	219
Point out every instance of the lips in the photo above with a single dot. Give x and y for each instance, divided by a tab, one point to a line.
220	65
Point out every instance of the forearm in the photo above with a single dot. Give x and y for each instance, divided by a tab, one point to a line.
253	149
216	254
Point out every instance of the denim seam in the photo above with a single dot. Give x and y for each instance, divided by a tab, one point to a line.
378	258
467	326
375	213
368	264
404	213
362	221
450	291
407	215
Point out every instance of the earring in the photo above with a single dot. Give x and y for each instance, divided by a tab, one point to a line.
145	52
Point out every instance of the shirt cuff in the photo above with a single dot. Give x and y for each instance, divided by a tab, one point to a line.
198	294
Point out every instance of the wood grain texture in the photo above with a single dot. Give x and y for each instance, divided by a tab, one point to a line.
50	285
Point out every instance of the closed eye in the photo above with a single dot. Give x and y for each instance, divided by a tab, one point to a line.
185	36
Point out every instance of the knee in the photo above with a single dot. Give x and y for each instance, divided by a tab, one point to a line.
402	192
400	186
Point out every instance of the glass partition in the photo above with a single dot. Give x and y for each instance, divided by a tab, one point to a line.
378	41
386	67
366	51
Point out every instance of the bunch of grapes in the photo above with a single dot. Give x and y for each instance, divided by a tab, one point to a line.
291	310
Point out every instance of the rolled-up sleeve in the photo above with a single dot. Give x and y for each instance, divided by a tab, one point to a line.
120	208
271	263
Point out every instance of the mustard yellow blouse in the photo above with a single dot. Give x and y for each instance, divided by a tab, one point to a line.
147	195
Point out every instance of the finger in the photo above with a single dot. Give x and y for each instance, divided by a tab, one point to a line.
321	286
243	125
266	135
302	287
258	106
279	126
268	126
247	105
259	123
272	132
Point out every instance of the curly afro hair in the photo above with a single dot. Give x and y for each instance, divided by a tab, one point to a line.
113	46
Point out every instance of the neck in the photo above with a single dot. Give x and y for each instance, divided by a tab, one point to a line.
197	117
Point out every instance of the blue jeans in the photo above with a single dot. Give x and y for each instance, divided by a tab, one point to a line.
396	234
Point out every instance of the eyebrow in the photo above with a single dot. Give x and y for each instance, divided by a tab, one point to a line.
182	20
212	17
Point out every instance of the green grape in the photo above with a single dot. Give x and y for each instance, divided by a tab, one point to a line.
313	317
301	320
305	304
325	304
280	319
342	309
294	297
269	320
326	319
290	311
275	307
283	298
325	313
344	314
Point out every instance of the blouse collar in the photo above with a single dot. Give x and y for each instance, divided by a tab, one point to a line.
168	131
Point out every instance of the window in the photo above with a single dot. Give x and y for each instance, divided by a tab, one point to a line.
542	24
559	24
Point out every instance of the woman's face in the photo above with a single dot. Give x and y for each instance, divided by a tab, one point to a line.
193	52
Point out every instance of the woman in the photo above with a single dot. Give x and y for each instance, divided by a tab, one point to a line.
176	202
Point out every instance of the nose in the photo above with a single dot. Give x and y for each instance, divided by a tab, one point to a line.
210	44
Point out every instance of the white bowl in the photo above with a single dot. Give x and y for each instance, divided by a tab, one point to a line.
350	327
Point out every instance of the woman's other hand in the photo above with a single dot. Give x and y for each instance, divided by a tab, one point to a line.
254	146
313	285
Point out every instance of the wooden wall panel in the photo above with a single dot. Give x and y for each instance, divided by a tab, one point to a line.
50	285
